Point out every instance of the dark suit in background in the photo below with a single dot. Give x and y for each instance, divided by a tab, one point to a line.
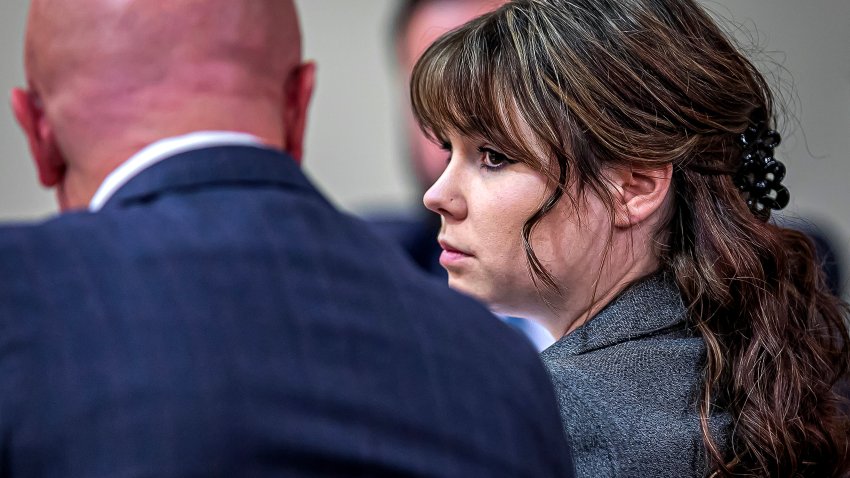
219	318
417	236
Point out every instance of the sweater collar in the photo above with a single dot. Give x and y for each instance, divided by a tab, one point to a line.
649	307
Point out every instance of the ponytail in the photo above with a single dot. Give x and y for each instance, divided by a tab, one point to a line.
777	339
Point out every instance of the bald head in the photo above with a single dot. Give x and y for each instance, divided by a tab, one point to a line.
132	43
111	76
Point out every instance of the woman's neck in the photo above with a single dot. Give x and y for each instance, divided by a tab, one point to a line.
568	314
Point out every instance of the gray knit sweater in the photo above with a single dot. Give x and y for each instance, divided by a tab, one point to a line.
628	381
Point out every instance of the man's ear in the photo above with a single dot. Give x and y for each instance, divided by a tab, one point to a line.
40	135
639	193
299	91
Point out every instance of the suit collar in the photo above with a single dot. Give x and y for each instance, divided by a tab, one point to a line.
224	165
649	307
162	149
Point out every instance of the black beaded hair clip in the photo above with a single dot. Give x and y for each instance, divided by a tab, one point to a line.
760	174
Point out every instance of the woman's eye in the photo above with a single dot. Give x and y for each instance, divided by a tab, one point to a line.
492	159
447	147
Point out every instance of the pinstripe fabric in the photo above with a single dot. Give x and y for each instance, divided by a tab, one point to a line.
219	318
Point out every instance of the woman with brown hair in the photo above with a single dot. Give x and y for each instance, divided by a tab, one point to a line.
611	174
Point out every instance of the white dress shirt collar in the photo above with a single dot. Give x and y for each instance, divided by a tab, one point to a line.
163	149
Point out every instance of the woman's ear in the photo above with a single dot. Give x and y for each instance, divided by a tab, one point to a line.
639	193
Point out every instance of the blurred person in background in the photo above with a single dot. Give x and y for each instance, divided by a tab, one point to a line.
831	253
199	308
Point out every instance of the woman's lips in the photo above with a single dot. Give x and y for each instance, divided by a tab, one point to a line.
452	256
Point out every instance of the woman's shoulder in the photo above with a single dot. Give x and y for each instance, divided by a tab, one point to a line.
628	387
632	407
643	333
640	352
667	366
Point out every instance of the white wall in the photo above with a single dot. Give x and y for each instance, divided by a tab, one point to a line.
20	194
354	139
354	152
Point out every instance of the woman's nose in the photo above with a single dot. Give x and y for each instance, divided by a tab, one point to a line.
445	197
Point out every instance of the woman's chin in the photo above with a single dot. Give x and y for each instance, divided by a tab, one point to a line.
476	291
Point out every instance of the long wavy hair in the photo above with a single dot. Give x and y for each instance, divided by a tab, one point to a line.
646	84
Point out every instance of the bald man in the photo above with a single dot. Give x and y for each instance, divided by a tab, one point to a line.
198	308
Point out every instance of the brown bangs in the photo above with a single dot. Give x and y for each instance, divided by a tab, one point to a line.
462	84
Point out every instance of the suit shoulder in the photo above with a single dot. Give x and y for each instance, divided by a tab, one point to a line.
30	237
41	257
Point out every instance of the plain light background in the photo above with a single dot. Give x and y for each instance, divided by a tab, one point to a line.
356	154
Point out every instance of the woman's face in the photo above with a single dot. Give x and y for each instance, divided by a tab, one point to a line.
485	200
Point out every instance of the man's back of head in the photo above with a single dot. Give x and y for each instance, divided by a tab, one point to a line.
108	77
211	314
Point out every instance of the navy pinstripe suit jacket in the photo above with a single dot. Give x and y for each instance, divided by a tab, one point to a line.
219	318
